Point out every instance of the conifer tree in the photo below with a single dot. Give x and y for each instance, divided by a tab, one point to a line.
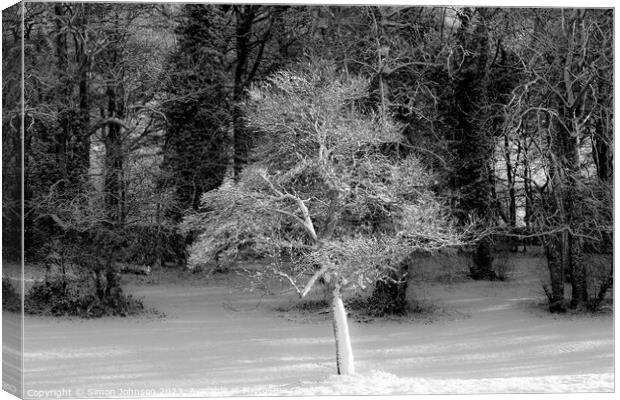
196	142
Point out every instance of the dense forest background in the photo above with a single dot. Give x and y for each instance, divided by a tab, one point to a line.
132	112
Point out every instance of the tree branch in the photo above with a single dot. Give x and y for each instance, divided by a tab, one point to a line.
313	280
306	222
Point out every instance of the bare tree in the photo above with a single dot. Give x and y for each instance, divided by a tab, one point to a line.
566	57
323	201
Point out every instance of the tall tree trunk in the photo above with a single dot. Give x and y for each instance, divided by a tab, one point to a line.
64	89
83	131
473	147
575	261
251	40
579	297
73	141
114	186
527	186
556	275
240	141
565	173
245	18
557	248
512	206
344	350
602	152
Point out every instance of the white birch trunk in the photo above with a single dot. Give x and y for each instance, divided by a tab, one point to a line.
344	351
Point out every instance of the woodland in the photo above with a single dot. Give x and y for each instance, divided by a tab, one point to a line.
325	144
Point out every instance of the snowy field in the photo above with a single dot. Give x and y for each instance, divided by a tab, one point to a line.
215	340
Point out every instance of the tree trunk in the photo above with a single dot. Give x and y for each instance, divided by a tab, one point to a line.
567	259
240	141
83	143
602	158
73	141
245	19
579	296
512	207
527	188
344	351
63	92
114	181
482	267
556	275
473	147
573	260
253	31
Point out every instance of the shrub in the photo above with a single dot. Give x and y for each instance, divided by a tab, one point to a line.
79	296
599	272
11	300
378	306
388	297
361	308
147	244
82	269
137	244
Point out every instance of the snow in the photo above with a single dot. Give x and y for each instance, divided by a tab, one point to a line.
215	340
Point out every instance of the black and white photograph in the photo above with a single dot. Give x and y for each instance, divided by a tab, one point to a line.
307	199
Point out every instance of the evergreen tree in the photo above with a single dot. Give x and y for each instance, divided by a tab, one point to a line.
196	141
11	127
472	118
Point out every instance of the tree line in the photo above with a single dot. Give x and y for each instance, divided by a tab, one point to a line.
140	121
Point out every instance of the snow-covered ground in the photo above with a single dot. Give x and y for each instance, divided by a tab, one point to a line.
489	337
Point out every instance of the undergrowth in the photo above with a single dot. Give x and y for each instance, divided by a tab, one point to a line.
360	310
11	300
65	296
